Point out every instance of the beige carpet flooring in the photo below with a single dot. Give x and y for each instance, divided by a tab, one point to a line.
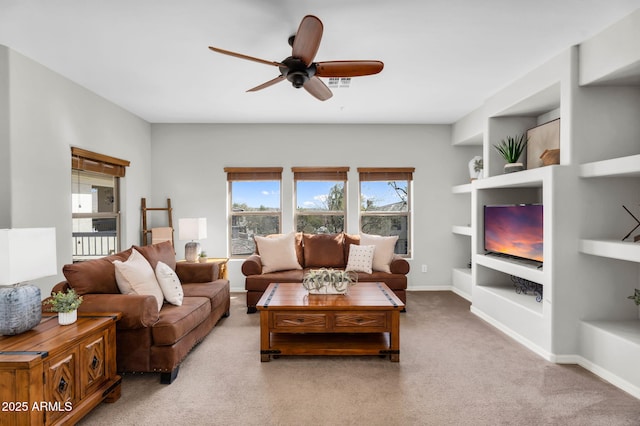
454	370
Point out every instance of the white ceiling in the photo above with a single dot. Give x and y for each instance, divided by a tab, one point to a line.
442	57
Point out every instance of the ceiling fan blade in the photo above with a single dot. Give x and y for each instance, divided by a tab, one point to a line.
318	89
278	79
348	68
249	58
307	39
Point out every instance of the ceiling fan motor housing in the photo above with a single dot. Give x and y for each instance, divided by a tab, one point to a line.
297	72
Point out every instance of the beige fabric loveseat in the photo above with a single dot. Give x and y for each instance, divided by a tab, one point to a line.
289	256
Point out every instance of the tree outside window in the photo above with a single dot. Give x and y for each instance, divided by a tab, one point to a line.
320	199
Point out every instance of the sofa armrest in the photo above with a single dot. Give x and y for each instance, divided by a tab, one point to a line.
252	265
138	311
197	272
399	265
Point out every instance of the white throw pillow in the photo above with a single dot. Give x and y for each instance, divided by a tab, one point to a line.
169	284
383	254
360	258
137	275
278	253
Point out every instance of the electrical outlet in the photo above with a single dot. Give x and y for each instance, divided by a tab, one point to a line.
424	268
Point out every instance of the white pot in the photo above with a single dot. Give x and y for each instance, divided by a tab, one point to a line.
66	318
329	289
513	167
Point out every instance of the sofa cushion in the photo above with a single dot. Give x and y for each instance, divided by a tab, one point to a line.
348	240
384	251
323	250
261	282
176	322
136	274
169	284
163	252
94	276
278	253
360	258
298	245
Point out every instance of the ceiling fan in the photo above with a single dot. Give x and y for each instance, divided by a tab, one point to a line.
300	69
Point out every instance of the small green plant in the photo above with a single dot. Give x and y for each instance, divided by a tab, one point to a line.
512	147
335	280
478	165
636	297
64	301
203	254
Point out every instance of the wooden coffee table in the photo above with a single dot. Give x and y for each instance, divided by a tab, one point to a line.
366	321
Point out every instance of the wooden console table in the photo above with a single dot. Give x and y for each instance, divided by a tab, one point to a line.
55	375
366	321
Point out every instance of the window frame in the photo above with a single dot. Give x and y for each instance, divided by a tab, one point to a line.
320	174
91	163
250	174
388	174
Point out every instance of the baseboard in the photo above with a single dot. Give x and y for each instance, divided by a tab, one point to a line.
515	336
607	375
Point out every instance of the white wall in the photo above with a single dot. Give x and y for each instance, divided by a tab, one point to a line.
47	115
188	163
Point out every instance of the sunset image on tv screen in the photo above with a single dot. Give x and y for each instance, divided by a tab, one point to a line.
514	230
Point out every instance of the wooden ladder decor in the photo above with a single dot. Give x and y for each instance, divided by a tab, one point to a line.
146	233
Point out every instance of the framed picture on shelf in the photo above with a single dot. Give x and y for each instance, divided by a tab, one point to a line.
543	148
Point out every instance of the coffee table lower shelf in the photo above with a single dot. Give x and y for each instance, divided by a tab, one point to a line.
329	344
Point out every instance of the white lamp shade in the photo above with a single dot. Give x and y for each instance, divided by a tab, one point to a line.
27	254
192	228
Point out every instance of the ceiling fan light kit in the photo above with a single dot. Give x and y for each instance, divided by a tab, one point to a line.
299	68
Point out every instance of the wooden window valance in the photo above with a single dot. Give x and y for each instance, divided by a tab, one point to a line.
320	173
81	159
385	173
253	173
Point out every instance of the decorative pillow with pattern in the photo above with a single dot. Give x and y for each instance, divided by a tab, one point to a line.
360	258
384	251
278	253
169	284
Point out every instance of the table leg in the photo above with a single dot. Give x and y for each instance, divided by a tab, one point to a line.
264	337
395	336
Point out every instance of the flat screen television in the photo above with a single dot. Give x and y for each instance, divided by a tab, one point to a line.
514	230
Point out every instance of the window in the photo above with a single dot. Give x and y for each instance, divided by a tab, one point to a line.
385	204
320	194
254	206
95	204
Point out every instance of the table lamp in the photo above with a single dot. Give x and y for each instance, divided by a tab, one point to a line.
192	229
25	254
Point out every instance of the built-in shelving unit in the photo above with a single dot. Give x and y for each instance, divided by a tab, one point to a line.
461	274
584	315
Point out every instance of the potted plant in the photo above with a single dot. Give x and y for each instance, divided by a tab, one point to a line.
329	281
475	167
66	305
202	257
636	298
511	149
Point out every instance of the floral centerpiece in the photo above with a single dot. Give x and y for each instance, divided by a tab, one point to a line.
66	305
329	281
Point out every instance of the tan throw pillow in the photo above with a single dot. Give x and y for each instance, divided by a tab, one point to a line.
169	284
383	254
360	258
278	253
137	275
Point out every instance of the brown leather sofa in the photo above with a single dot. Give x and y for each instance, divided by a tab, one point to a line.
316	251
148	339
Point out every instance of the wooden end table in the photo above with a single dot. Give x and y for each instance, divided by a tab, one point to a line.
54	374
366	321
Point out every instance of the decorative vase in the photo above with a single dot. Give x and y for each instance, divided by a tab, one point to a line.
343	288
513	167
20	308
66	318
202	259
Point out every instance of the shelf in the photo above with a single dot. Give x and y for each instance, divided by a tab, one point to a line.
522	269
509	294
532	178
461	279
461	230
614	249
462	189
617	167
